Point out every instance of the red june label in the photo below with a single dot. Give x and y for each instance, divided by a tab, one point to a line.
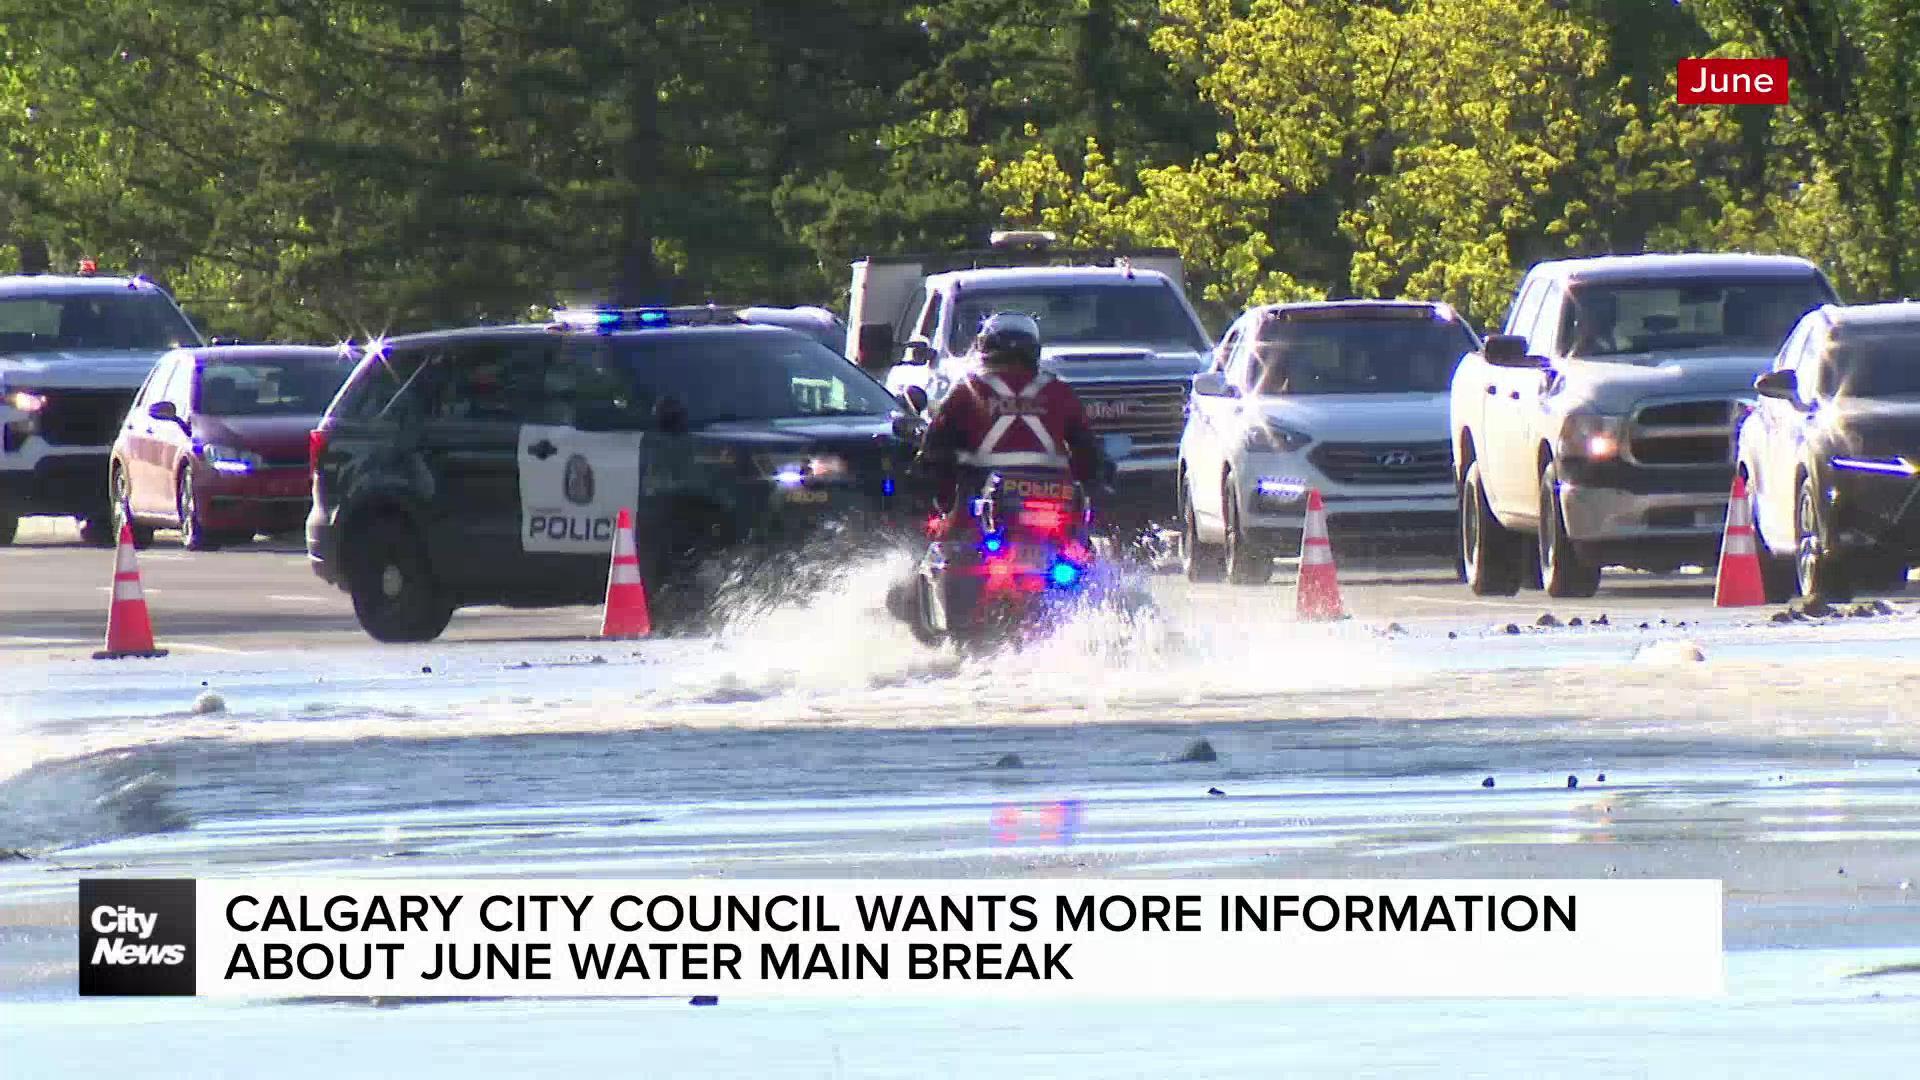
1733	82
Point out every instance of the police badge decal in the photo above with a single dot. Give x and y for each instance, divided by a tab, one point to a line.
578	480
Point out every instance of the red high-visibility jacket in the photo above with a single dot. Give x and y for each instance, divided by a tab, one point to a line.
1001	419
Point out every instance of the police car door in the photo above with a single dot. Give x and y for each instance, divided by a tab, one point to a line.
574	482
473	447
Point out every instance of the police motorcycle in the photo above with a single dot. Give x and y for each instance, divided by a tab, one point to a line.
1026	559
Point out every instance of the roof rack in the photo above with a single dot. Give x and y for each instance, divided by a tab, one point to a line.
607	319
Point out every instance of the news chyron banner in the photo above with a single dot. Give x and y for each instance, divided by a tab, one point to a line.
1002	939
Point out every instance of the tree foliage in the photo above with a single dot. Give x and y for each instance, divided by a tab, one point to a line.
317	168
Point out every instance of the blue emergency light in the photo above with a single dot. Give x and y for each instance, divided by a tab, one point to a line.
607	320
1064	574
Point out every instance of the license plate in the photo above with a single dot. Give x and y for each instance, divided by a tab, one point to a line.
802	495
1031	558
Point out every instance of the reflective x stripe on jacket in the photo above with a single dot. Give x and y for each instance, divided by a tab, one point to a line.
988	454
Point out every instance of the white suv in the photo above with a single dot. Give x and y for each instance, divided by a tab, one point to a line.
1348	397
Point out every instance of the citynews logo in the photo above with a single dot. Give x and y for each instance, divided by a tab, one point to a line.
1732	82
137	937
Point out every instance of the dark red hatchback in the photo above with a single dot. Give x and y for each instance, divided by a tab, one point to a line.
215	444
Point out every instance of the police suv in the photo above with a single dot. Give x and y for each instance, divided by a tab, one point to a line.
488	465
73	352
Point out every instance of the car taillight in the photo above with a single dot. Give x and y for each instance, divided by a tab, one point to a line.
316	446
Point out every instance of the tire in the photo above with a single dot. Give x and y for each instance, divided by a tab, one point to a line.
9	526
1203	562
1562	572
122	514
1821	573
1247	562
1490	551
193	535
394	594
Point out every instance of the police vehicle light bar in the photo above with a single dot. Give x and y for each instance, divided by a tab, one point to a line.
606	320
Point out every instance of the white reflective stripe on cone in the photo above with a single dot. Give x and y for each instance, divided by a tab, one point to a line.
1740	544
1739	515
626	573
1316	555
127	590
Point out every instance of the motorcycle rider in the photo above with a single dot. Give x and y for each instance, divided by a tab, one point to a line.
1008	414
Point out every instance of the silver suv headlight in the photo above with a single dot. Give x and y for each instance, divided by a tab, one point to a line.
1272	438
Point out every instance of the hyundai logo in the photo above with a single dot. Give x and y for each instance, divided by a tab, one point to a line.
1395	459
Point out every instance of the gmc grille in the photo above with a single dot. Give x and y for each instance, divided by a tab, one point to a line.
1385	462
1683	433
1153	413
83	417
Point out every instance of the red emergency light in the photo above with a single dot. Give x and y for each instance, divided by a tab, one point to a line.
88	267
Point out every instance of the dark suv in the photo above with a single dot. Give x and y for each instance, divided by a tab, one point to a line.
488	465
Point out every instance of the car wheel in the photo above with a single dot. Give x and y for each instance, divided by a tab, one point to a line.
1819	570
1562	572
1247	562
123	514
394	594
9	526
193	535
1490	550
1203	562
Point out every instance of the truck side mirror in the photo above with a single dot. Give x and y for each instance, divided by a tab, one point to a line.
1783	385
1507	350
1212	384
919	353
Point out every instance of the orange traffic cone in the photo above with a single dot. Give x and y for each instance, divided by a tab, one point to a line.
626	611
1317	591
1738	583
129	629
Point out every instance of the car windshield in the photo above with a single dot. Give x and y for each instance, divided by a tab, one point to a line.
271	386
1359	355
1145	313
1880	367
1632	319
727	376
131	319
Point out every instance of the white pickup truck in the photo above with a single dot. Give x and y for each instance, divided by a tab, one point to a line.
1116	325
